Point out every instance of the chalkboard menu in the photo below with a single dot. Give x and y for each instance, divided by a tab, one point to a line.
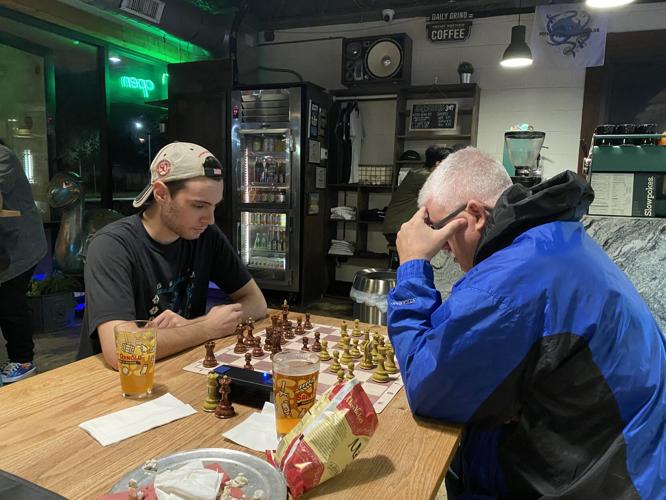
434	115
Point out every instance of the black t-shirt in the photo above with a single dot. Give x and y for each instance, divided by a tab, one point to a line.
128	275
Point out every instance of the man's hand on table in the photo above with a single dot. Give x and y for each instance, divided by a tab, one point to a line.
221	321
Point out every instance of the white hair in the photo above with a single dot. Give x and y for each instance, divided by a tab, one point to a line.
464	175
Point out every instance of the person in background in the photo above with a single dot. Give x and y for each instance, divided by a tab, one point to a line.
156	265
544	349
403	201
24	244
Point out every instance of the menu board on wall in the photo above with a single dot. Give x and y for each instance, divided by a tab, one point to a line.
433	115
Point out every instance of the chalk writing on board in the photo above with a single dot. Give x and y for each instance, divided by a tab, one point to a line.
433	116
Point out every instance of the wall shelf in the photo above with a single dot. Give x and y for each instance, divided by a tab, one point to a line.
434	137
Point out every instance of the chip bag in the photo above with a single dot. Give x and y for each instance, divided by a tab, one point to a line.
327	439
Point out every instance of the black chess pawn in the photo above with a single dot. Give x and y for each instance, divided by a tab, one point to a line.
316	346
287	333
276	347
308	325
224	408
268	341
249	339
240	347
248	359
257	352
299	327
305	344
210	361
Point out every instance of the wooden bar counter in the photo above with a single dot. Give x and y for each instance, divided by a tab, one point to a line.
41	441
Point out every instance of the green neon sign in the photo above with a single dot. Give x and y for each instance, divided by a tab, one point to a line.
131	82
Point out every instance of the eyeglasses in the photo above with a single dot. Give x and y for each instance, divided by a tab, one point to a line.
441	223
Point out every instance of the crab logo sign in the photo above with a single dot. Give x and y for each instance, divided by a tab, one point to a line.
567	35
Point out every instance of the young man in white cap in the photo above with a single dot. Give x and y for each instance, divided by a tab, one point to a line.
157	264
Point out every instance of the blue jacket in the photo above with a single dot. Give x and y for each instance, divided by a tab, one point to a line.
546	352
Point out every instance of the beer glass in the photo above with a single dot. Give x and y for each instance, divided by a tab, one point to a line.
295	377
136	344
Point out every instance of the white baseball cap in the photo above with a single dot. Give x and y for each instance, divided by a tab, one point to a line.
178	161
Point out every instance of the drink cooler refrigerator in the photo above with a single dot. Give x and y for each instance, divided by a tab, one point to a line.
280	243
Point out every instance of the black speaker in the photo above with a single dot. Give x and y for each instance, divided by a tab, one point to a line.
377	60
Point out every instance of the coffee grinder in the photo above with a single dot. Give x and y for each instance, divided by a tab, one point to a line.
523	149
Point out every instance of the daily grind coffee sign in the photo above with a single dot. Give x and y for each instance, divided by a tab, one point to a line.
451	26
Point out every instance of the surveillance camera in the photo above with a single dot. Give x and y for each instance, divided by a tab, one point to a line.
387	15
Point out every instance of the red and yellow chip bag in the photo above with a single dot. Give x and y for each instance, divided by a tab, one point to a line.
327	439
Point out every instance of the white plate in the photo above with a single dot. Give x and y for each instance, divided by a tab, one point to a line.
260	474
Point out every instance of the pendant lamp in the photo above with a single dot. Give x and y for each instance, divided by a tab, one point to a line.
607	4
517	54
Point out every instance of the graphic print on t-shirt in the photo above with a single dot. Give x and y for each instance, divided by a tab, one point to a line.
175	295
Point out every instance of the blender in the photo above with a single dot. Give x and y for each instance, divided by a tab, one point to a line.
523	148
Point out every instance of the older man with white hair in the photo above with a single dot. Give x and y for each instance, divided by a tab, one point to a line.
544	349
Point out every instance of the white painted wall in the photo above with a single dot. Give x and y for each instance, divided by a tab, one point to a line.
548	98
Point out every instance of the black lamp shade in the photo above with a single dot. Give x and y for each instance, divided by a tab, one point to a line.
517	53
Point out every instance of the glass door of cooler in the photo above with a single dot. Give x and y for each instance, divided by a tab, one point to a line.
264	245
265	164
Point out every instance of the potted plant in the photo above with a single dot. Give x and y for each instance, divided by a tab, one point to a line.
52	302
465	71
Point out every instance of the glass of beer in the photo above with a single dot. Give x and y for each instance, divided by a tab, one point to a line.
295	377
136	344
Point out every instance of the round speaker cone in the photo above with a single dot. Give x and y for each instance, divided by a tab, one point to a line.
384	58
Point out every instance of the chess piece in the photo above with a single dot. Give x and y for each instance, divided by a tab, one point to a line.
305	344
367	363
249	338
250	323
240	346
341	376
224	408
356	332
343	327
355	353
210	361
335	366
375	352
308	325
350	371
366	338
380	375
257	352
277	341
346	357
213	396
324	355
343	340
299	326
389	364
268	341
285	313
316	346
248	359
288	333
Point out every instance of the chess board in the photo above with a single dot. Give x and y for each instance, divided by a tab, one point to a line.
380	394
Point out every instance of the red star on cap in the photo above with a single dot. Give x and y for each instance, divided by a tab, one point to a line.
163	168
